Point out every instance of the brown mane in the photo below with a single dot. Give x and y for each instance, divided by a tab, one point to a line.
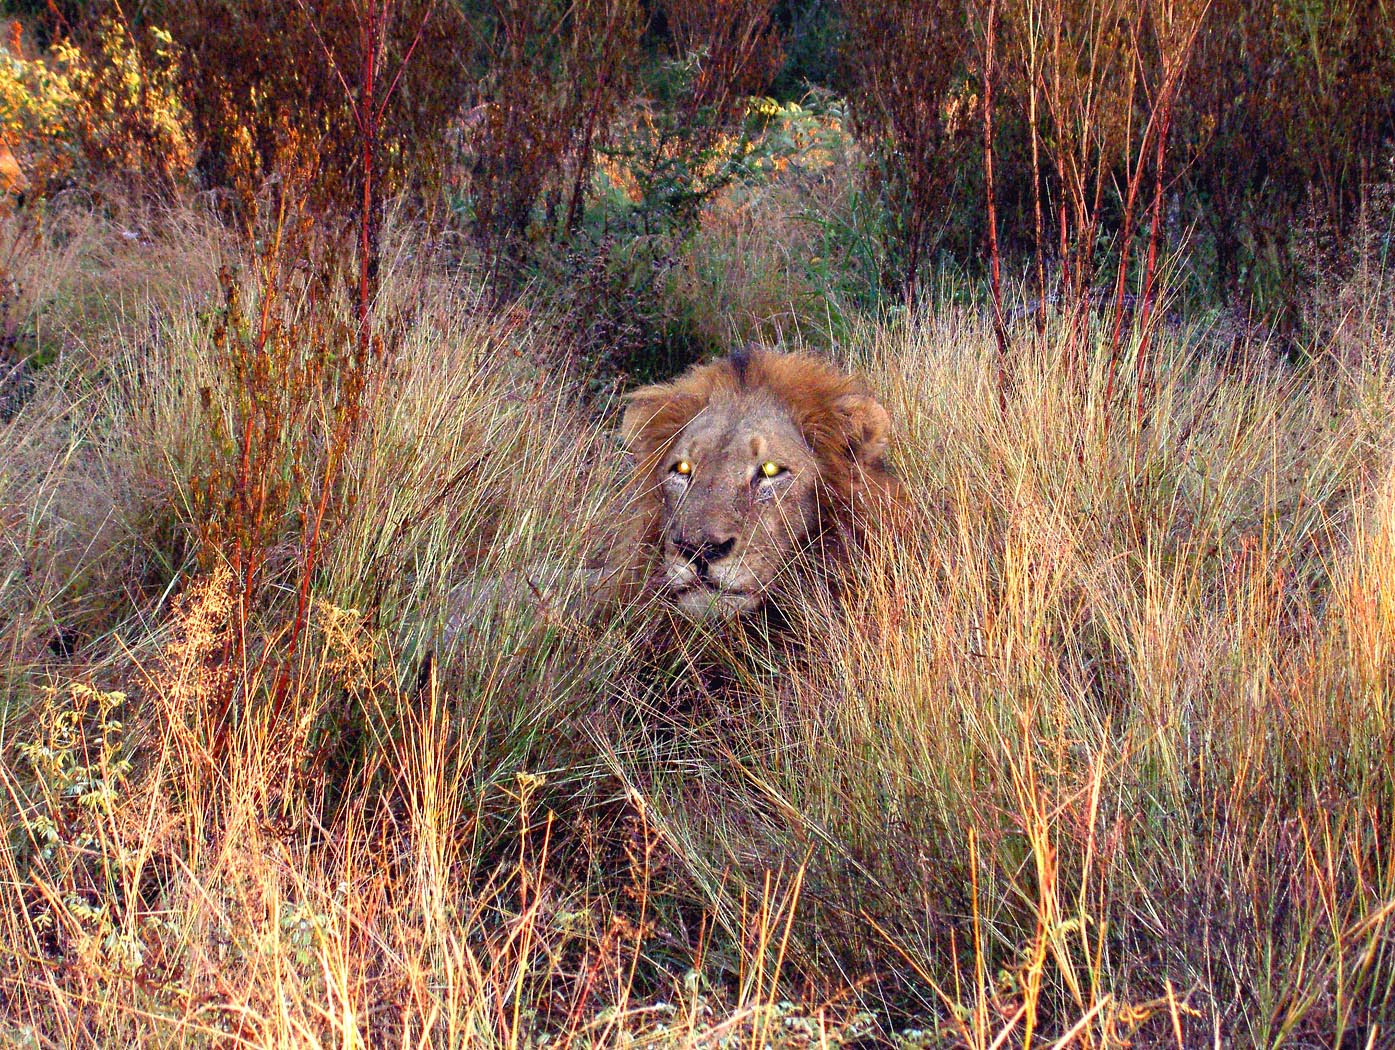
841	421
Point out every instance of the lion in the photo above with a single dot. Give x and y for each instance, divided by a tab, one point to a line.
749	477
749	474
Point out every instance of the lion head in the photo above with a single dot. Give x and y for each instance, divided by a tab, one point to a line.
747	469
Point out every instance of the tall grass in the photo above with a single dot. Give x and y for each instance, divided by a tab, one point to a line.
1096	748
1105	738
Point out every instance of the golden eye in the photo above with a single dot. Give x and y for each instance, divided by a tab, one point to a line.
769	469
683	467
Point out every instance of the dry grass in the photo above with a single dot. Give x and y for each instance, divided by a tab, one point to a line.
1107	735
1100	747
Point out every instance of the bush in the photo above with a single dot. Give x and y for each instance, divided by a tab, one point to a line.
107	109
272	90
1286	123
609	243
912	108
1278	122
551	77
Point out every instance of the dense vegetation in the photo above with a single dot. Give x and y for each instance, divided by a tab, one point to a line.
314	316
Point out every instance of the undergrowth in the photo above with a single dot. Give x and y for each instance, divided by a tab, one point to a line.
1097	749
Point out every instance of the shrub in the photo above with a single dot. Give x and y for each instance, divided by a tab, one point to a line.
108	108
912	108
1273	122
610	243
129	118
785	253
272	90
1286	124
811	31
37	103
687	139
552	76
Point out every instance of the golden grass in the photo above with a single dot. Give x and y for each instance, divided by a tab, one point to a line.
1099	748
1107	716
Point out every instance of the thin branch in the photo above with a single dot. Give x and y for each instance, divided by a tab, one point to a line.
999	328
329	56
406	59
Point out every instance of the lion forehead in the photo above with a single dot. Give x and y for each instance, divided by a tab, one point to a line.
744	428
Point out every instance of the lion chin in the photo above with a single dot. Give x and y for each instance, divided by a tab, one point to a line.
706	603
751	473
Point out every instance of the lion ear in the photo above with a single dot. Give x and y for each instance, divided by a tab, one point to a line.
653	415
867	425
641	410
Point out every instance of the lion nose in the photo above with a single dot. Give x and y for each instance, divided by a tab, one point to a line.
705	551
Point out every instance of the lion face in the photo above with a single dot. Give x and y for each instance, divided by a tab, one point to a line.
746	468
739	504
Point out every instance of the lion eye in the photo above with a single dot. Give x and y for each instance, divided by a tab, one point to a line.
683	468
769	469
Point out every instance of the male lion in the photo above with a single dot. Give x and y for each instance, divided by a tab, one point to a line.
748	473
